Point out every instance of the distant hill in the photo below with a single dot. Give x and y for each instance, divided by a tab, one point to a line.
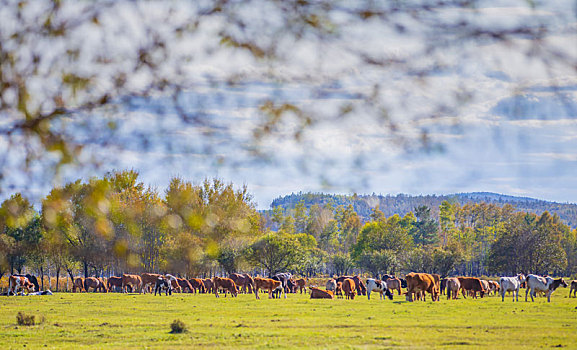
402	203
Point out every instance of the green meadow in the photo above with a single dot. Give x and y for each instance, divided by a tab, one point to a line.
94	320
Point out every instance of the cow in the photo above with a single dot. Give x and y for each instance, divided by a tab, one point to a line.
245	281
134	281
374	285
114	281
443	285
266	284
173	282
359	284
226	284
573	288
209	285
19	282
78	283
393	284
339	290
418	284
511	284
184	284
96	283
494	287
453	286
349	288
32	279
163	283
544	284
331	285
472	285
197	285
149	280
317	293
283	278
301	285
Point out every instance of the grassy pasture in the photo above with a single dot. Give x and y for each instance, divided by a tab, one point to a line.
114	320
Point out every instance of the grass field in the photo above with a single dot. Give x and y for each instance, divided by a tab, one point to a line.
94	320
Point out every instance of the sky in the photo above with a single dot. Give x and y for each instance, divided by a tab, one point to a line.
498	117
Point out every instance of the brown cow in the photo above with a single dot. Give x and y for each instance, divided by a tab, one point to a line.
359	284
78	284
573	288
245	281
134	281
472	285
226	284
419	283
493	287
184	284
197	285
114	281
301	285
320	294
96	283
209	285
265	284
394	284
19	282
148	279
453	286
349	288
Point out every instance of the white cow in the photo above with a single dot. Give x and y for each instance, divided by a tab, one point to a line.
331	285
542	284
374	285
511	284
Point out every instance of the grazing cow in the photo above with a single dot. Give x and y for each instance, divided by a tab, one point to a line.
245	281
114	281
542	284
19	282
266	284
78	284
96	283
32	279
173	282
472	285
511	284
209	285
359	284
301	285
331	285
225	284
453	285
418	284
149	280
339	290
573	288
393	284
284	279
320	294
197	285
184	284
349	288
163	283
493	287
134	281
374	285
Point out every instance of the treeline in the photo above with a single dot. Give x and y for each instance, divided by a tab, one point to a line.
116	224
401	204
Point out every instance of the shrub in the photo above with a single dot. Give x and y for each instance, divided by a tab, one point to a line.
28	320
177	326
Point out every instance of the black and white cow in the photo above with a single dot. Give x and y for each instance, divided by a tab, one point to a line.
162	283
283	278
374	285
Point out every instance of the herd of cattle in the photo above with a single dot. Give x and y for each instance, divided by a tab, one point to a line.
417	285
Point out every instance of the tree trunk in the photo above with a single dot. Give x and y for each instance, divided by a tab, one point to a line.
85	270
57	277
41	277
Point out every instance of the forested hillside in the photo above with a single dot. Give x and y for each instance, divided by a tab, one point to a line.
402	204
